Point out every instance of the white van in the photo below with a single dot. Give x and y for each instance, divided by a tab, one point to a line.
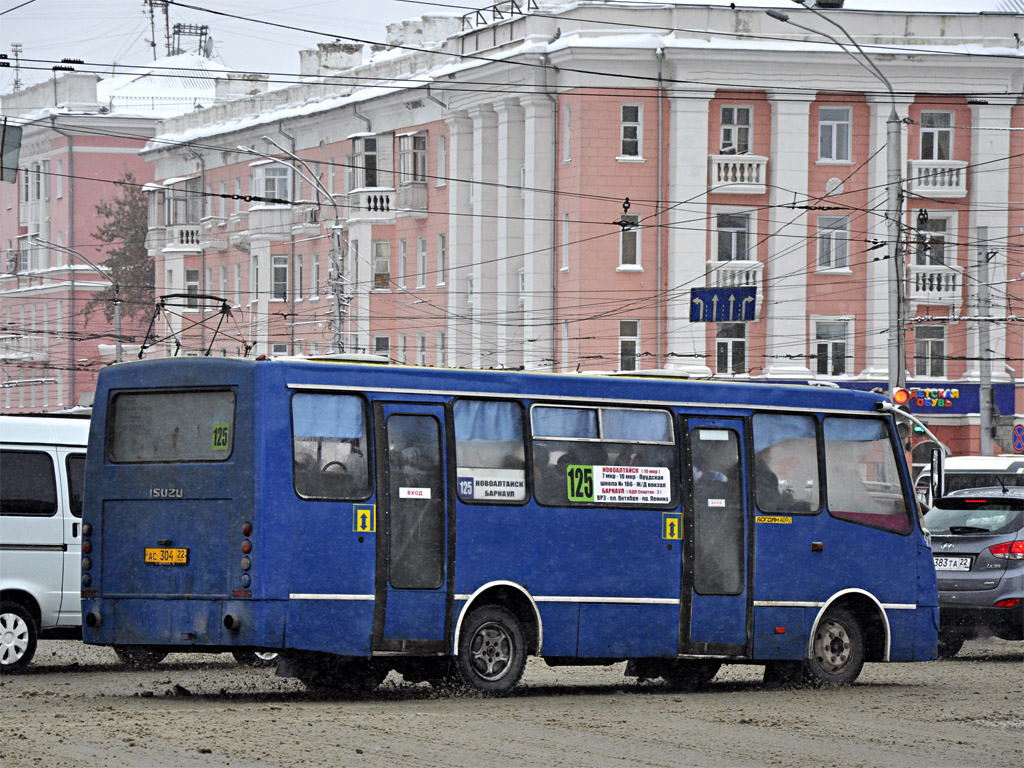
961	472
42	467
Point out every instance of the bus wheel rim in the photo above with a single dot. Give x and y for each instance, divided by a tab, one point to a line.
491	651
832	646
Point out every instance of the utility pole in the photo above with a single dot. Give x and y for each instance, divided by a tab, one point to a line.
984	312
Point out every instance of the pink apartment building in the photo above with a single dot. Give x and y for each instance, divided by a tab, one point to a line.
81	133
546	190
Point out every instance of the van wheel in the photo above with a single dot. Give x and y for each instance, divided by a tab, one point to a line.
837	649
138	657
18	638
256	658
492	650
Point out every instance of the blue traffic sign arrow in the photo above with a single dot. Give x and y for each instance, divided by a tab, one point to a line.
723	305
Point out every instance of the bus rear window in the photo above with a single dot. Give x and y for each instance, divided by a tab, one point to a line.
156	426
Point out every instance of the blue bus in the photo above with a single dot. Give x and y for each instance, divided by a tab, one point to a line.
359	518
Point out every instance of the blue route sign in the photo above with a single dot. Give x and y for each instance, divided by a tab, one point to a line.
723	305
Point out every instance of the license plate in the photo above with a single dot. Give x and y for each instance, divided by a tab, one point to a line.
952	563
167	555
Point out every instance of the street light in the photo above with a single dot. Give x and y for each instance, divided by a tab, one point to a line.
338	344
117	288
897	343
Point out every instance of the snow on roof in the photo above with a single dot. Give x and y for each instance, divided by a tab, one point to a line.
169	86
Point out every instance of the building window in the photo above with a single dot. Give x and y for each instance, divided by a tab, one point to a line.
238	195
421	262
412	158
442	257
629	241
366	162
279	276
381	265
59	180
382	345
632	114
299	277
629	344
224	282
401	264
279	348
930	351
730	348
401	348
733	232
183	203
936	135
736	125
930	247
273	181
565	242
238	285
442	350
566	133
314	286
442	160
192	287
208	201
222	200
421	349
833	242
830	347
834	134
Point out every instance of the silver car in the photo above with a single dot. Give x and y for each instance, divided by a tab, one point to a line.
978	545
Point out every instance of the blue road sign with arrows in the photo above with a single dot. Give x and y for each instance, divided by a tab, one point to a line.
723	305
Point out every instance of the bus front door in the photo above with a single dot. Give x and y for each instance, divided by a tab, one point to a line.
411	600
713	619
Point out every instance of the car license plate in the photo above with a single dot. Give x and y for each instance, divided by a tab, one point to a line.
167	555
946	563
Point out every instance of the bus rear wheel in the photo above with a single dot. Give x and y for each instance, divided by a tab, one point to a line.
345	677
255	658
950	644
138	657
837	649
18	637
492	650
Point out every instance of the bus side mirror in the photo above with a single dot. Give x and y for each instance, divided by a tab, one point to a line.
937	481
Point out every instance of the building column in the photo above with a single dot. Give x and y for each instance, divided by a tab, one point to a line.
460	239
509	246
484	201
785	274
538	234
685	342
990	190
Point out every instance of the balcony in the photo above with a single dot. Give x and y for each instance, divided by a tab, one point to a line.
737	274
412	200
23	349
372	204
937	178
935	284
269	222
212	234
183	238
738	174
306	220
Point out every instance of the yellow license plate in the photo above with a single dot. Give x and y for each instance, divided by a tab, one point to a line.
167	555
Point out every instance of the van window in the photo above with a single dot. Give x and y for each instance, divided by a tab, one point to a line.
29	485
76	478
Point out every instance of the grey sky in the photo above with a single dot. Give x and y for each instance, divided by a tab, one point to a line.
104	32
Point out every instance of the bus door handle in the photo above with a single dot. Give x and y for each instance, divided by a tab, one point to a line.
74	530
817	546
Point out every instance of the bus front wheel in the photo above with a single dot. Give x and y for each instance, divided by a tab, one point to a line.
492	650
837	649
18	637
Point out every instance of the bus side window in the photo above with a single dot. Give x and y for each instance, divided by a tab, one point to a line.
329	449
489	453
786	473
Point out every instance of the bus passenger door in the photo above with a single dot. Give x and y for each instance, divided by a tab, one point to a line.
713	616
411	602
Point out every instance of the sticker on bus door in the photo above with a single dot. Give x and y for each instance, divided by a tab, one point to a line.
414	493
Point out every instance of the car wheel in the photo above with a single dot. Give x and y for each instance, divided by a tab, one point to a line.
138	657
492	650
689	675
837	649
18	637
950	644
256	658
